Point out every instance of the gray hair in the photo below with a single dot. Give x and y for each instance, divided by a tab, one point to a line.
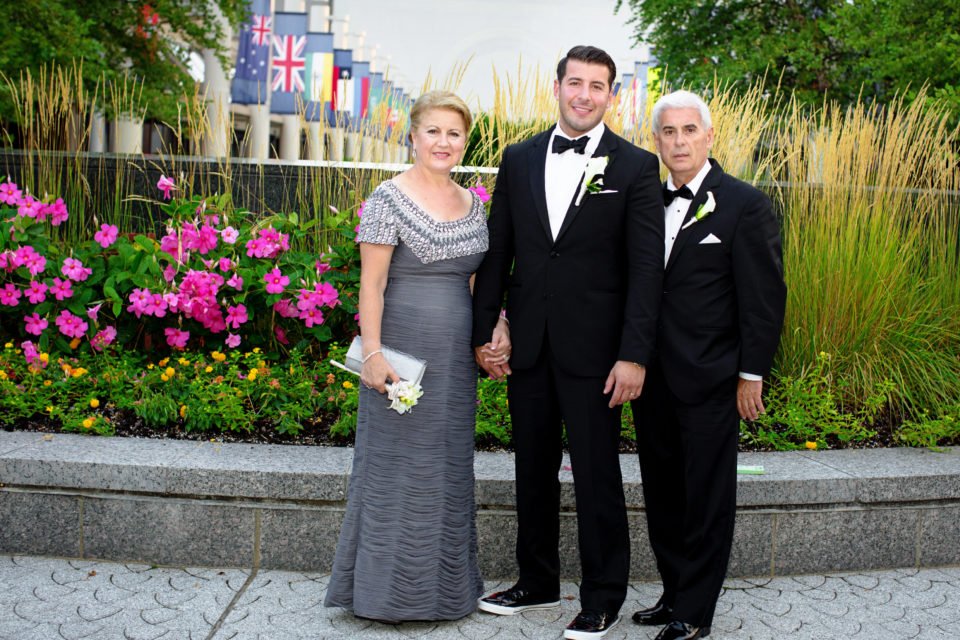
681	100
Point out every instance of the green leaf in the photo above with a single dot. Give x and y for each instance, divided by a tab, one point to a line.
145	243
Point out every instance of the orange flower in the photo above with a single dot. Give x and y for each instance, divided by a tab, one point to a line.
811	445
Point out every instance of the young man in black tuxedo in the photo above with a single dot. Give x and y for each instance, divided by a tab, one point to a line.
576	230
720	320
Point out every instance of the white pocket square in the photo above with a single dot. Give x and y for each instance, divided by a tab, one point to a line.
600	193
710	239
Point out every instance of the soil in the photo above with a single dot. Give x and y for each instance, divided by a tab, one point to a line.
316	431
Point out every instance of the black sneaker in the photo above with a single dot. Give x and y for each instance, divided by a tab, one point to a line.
516	600
590	624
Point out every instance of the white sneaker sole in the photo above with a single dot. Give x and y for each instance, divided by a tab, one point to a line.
500	610
570	634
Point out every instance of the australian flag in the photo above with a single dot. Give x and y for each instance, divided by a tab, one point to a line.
253	56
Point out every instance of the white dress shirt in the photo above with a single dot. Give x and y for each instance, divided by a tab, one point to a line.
562	174
675	213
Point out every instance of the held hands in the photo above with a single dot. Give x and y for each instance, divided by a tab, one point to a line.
376	371
749	402
626	382
494	357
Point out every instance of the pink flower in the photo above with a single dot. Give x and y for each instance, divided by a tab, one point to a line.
169	273
236	316
226	264
232	341
74	269
166	185
286	308
106	236
10	295
61	289
206	240
59	212
311	317
35	324
92	313
104	338
229	235
71	325
139	300
322	267
276	281
170	244
480	191
155	306
281	335
36	291
176	337
32	356
9	194
28	257
30	208
236	282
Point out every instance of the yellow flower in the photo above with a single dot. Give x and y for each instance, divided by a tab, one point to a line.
45	357
347	384
170	372
47	383
50	409
94	403
79	371
252	375
183	411
164	362
261	364
256	349
150	366
75	343
9	345
183	361
208	369
87	423
811	445
219	357
3	374
164	377
291	369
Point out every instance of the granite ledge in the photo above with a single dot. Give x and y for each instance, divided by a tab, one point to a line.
288	472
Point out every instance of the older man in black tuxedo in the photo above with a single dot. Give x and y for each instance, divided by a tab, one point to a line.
576	228
719	327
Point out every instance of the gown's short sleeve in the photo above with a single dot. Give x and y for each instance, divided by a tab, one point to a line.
378	224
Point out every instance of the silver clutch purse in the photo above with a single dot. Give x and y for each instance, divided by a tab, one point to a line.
407	366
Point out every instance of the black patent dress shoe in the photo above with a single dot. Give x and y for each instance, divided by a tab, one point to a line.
590	624
677	630
657	614
517	600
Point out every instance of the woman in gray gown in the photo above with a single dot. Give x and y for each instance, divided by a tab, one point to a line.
408	544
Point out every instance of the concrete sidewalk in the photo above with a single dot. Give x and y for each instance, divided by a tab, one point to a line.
52	598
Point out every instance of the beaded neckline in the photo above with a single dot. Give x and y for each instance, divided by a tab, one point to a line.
398	192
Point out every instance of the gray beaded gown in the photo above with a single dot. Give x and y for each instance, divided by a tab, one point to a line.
408	544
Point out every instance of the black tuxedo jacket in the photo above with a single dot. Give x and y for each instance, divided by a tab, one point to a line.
723	302
596	289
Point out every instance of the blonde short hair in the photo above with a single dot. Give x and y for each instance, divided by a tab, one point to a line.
440	100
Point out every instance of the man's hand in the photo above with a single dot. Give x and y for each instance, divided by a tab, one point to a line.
494	357
749	402
626	382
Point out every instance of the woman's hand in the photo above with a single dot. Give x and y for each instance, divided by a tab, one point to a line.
494	356
376	371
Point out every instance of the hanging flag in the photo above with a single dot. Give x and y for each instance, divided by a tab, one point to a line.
361	89
341	101
318	77
288	62
253	56
376	94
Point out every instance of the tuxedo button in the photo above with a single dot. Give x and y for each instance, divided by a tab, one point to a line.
554	254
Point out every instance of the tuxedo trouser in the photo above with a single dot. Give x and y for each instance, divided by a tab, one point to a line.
688	463
543	398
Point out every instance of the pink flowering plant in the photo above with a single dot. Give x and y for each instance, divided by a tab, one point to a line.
217	278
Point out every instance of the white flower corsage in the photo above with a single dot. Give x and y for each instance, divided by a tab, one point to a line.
592	177
403	395
703	211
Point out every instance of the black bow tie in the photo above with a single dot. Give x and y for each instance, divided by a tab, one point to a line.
682	192
561	144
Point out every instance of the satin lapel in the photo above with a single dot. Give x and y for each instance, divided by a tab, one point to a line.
709	183
536	163
607	147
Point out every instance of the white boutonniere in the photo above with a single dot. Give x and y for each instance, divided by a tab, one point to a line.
703	211
592	177
403	395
